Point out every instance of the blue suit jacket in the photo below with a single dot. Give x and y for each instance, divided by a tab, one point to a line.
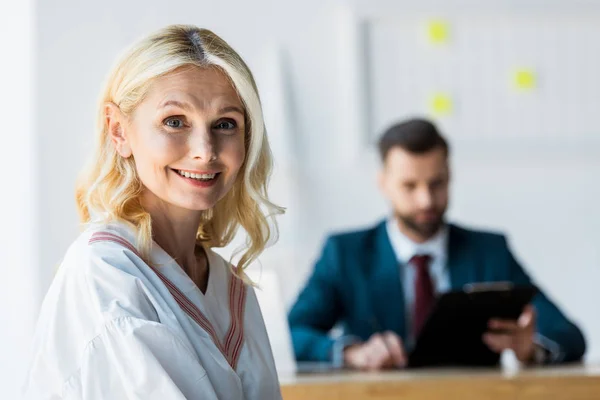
357	281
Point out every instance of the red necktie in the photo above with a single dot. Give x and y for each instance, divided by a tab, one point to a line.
424	293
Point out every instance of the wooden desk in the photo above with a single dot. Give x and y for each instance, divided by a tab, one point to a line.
554	383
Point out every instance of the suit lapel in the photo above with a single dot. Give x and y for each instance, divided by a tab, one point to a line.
460	264
385	285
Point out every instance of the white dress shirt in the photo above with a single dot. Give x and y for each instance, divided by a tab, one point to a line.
404	249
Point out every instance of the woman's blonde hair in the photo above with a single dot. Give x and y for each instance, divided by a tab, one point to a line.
109	188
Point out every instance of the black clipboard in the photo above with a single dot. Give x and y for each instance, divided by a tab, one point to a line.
452	334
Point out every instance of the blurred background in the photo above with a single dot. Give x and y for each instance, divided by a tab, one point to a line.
513	84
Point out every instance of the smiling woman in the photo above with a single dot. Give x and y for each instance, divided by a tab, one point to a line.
158	70
141	307
188	134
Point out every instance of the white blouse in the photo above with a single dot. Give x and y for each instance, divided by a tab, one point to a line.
113	327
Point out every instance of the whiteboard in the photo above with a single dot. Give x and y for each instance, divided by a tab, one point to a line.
475	68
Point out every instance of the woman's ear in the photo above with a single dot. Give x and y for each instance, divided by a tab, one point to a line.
115	122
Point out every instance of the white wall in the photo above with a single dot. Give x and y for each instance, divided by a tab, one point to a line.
298	51
18	286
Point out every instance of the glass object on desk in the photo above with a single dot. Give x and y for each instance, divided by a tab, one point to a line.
509	363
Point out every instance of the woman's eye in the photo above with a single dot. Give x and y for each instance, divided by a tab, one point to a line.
174	122
225	125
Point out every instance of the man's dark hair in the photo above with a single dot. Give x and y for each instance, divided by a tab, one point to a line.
416	136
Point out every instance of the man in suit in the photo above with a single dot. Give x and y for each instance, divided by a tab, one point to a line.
379	284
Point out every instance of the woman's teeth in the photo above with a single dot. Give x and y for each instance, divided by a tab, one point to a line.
200	177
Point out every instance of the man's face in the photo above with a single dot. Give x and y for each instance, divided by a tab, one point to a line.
417	187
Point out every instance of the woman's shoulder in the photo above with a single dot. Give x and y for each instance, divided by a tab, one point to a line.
97	282
103	265
115	240
118	232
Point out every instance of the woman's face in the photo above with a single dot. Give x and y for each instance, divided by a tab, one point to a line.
186	137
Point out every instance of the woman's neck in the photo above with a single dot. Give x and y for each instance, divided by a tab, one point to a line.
175	229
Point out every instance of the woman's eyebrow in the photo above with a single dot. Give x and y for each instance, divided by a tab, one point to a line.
227	109
176	103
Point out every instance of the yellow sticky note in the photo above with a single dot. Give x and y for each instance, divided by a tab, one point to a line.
524	78
441	104
438	31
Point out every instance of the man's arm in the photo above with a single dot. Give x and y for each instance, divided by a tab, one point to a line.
317	308
564	340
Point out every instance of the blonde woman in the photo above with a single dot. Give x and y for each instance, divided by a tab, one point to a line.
141	307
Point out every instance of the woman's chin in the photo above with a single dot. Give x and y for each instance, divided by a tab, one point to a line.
199	204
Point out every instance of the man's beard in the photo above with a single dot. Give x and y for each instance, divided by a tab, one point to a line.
425	230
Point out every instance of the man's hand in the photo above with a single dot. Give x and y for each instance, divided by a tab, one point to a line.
515	335
382	350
